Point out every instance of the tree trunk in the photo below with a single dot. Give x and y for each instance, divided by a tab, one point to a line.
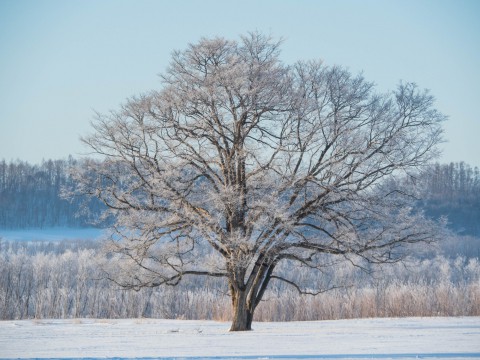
242	313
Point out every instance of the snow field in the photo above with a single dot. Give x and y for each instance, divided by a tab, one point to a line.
446	338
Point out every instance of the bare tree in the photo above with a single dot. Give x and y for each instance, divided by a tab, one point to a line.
241	162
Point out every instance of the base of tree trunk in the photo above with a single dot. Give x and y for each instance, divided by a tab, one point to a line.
241	327
242	317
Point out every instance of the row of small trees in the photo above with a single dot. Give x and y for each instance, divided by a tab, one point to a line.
62	280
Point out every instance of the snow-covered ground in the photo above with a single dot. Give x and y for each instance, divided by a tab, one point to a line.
406	338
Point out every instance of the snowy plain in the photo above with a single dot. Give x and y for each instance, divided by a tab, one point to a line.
404	338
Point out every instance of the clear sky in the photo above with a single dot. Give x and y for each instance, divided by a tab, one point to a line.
62	60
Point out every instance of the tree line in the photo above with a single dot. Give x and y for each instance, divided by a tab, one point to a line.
453	190
30	196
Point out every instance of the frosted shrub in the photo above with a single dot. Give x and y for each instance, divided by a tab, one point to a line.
39	280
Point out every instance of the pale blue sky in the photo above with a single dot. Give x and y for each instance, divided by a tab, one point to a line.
61	60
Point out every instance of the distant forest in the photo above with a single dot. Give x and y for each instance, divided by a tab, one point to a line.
30	196
453	191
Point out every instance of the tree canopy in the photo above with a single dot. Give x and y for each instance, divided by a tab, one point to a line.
239	162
